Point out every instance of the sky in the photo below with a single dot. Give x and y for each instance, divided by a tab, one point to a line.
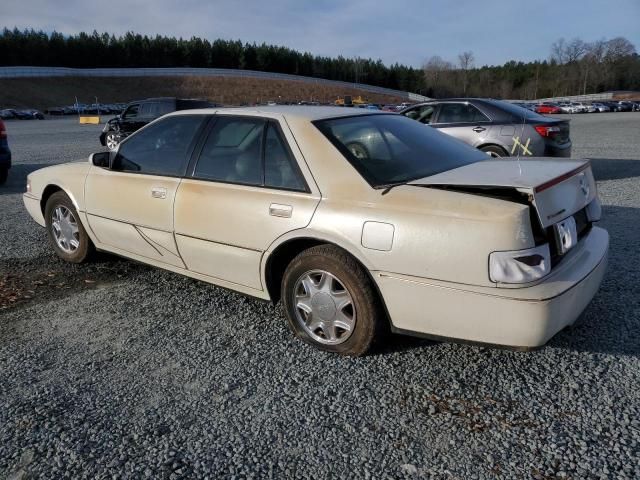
403	31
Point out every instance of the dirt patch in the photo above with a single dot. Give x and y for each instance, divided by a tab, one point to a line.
28	281
55	91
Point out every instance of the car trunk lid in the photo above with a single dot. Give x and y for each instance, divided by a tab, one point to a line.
556	188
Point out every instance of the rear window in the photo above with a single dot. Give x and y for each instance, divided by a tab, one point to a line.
388	149
517	111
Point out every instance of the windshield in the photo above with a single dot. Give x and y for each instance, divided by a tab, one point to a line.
388	149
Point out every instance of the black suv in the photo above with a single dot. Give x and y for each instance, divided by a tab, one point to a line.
137	114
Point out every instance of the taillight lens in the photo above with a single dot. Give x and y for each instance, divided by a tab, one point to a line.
520	266
3	130
547	131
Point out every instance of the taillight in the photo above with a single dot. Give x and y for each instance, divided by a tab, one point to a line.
547	131
3	130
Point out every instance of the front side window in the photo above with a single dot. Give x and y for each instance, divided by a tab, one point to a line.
387	149
131	111
233	151
422	114
460	113
161	148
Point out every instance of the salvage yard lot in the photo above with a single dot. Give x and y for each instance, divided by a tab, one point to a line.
118	369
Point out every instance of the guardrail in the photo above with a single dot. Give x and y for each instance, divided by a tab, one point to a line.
592	97
31	72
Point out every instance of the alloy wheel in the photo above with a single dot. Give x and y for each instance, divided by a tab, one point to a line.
324	307
64	227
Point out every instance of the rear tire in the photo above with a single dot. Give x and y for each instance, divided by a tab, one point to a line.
331	303
65	230
4	173
495	151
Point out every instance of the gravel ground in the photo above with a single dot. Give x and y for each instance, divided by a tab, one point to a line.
118	370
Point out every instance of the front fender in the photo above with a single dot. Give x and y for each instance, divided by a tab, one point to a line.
69	177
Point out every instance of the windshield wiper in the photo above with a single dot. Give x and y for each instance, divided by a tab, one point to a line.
389	186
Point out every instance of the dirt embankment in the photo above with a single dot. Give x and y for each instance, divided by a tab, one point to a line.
57	91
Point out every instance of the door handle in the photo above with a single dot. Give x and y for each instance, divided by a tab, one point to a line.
479	129
279	210
159	192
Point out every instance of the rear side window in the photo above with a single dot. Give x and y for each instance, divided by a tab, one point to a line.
163	108
233	151
148	110
516	110
161	148
280	169
460	113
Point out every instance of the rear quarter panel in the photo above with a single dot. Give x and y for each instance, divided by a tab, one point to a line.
436	234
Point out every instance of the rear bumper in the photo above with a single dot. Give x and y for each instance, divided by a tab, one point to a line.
526	317
558	150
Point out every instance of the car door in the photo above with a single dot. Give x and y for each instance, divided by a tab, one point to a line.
463	121
130	119
248	186
129	206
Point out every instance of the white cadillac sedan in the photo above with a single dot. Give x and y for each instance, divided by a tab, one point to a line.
359	221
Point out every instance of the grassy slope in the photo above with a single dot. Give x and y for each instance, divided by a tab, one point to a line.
46	92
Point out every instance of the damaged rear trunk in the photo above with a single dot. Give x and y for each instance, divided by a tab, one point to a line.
560	193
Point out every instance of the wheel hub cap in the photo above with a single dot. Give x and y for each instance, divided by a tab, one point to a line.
65	229
324	307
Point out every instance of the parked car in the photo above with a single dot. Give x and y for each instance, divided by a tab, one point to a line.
141	112
548	108
31	114
614	106
26	114
601	107
5	154
54	110
356	219
624	106
584	107
7	114
493	126
567	107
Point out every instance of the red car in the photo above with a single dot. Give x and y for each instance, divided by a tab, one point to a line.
548	108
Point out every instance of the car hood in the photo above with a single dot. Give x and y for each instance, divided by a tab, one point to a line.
557	188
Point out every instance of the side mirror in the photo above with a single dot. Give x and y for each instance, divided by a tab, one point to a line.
101	159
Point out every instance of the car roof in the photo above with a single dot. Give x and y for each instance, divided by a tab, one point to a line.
302	112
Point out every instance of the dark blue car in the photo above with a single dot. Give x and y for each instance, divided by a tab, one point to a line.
5	154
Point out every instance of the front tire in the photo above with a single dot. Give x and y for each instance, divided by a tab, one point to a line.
111	140
331	303
66	233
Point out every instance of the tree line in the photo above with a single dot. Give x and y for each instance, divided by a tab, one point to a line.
573	67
